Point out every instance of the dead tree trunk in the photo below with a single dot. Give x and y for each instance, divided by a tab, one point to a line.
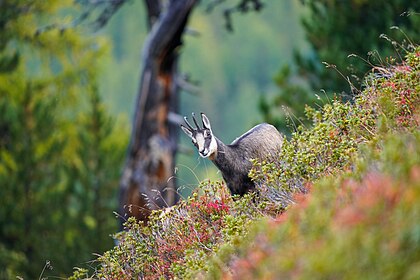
147	182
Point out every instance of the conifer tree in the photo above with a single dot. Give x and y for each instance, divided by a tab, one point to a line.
59	150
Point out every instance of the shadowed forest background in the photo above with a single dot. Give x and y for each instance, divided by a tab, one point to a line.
67	95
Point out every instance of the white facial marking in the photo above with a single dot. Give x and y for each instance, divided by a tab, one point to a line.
200	142
213	146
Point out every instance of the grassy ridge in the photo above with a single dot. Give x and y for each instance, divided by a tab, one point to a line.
359	220
342	201
360	225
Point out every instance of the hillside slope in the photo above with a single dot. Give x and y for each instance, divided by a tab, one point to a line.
342	201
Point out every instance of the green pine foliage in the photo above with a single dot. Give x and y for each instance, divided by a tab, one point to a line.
341	201
59	149
360	24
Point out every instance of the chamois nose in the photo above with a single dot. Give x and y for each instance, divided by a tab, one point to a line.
203	152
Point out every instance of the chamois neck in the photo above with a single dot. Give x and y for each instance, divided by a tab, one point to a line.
223	157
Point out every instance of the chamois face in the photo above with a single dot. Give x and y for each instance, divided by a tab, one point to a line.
202	138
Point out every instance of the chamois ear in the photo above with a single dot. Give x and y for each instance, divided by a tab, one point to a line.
187	131
206	122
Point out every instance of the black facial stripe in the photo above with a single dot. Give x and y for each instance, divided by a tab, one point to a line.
207	142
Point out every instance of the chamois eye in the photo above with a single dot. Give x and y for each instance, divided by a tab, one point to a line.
206	134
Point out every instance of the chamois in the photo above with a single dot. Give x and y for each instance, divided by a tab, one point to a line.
262	141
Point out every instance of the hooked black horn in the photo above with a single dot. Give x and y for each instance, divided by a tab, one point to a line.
188	124
195	121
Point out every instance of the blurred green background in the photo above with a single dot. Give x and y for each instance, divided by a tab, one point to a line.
67	97
233	70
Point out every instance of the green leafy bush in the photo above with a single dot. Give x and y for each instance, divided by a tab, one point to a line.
346	227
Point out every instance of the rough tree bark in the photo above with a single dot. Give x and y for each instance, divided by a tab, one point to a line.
147	182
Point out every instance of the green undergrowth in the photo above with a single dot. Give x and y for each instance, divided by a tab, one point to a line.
359	225
342	202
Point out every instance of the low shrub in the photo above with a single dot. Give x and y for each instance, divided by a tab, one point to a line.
345	228
349	183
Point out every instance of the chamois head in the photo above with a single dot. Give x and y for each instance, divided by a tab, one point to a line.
202	138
